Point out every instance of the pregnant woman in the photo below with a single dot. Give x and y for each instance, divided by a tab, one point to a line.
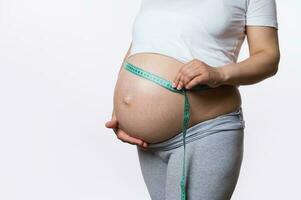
177	95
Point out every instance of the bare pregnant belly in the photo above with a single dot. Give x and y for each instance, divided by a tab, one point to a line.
152	113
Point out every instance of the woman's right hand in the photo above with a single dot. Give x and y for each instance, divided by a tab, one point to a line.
123	136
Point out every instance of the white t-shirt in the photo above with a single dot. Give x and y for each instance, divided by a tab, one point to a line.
210	30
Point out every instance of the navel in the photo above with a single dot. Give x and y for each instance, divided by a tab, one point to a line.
128	99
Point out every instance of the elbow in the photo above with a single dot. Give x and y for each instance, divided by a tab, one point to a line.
275	63
274	72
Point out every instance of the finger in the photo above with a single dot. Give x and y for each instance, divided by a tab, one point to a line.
176	79
142	148
186	73
180	85
195	81
189	74
178	75
145	145
126	138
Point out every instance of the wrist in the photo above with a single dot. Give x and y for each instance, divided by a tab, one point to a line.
224	76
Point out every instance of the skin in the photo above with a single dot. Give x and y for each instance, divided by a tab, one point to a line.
261	64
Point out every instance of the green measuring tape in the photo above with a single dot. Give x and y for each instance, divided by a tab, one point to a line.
168	85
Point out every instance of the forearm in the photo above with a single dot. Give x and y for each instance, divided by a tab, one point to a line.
254	69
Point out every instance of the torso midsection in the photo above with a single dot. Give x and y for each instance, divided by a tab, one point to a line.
152	113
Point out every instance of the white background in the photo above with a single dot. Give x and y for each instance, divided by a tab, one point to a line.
59	61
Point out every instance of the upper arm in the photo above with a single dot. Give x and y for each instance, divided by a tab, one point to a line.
262	27
262	38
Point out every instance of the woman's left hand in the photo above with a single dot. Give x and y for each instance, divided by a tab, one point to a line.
198	72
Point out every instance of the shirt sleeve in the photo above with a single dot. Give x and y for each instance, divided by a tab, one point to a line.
262	13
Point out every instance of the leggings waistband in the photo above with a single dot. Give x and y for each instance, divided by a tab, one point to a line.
229	121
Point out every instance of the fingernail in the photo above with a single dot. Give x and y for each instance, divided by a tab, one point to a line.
179	87
173	84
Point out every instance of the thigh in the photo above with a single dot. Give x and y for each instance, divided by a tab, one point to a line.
212	164
153	169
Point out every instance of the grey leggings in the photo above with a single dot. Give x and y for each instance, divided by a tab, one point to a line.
214	152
